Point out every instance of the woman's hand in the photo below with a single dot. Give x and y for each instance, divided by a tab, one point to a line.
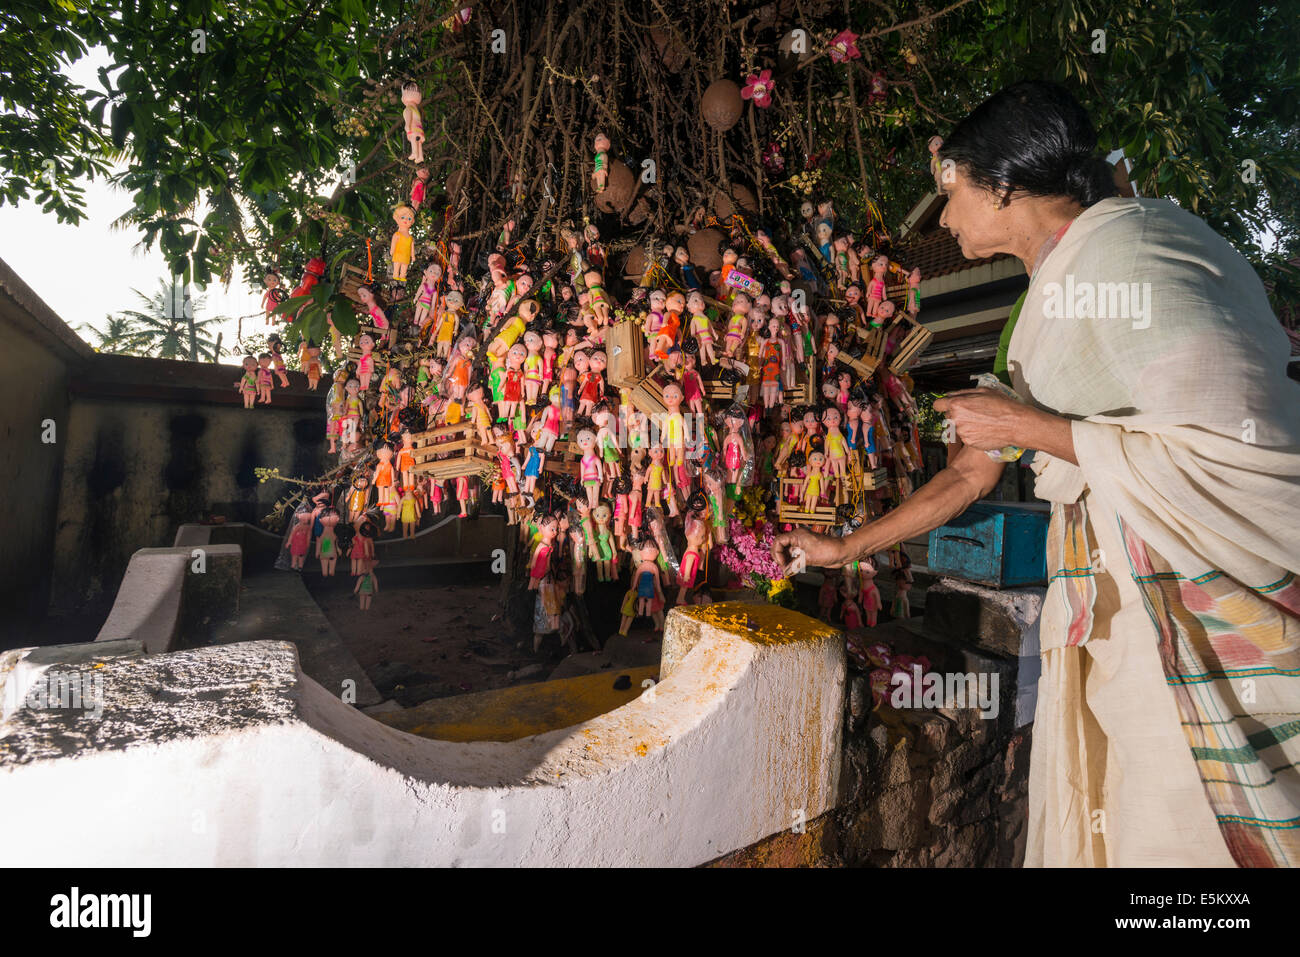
812	549
986	420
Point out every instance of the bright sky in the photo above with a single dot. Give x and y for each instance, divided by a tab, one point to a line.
86	271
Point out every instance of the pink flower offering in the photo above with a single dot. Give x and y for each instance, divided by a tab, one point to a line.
844	47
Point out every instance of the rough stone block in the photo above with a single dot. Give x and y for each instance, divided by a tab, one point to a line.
989	618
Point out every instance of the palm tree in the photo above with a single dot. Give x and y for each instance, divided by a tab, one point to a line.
120	335
171	329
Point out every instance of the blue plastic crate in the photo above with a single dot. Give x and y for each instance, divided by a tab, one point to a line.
992	544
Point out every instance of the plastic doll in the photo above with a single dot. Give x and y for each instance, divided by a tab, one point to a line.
311	364
462	496
247	385
550	346
578	560
384	473
622	489
868	592
532	366
459	369
697	534
601	171
406	458
649	588
327	543
826	597
533	467
362	552
655	317
772	359
412	120
836	448
812	483
715	494
358	499
512	394
569	389
914	292
419	187
672	429
276	345
482	418
403	244
273	296
425	295
876	289
636	504
607	446
448	323
410	511
702	328
655	479
738	325
590	466
593	390
300	537
849	611
901	606
598	297
265	380
551	421
733	446
367	586
603	552
692	384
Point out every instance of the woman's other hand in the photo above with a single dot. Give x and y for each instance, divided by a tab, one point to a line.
820	550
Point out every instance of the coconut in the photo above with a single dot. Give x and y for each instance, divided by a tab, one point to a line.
669	50
703	247
634	266
620	187
721	105
740	200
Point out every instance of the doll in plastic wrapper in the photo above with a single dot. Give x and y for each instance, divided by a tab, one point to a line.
362	552
534	459
409	511
850	614
367	586
868	592
458	373
914	292
412	121
406	458
300	537
622	490
697	539
735	449
327	543
247	384
358	499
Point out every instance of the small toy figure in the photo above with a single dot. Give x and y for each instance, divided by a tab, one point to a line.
276	345
459	370
311	364
401	248
247	385
697	534
826	596
836	449
410	511
600	173
367	586
773	358
876	289
532	366
811	490
482	418
419	187
366	363
868	592
649	589
512	392
607	445
738	325
425	296
702	328
655	479
362	552
734	455
849	611
692	385
273	296
300	537
590	466
448	322
358	499
672	430
602	552
413	121
406	458
327	543
901	606
384	474
539	562
264	378
593	388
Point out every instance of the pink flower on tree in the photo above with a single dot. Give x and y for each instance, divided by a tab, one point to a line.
758	87
844	47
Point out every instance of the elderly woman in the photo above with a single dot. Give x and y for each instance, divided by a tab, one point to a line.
1167	438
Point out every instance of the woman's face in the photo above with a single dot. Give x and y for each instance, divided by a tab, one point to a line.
972	216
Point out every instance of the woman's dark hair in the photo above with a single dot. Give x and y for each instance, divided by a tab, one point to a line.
1032	137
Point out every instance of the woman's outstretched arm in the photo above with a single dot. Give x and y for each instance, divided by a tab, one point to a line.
969	477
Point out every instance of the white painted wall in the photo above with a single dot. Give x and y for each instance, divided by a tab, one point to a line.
245	761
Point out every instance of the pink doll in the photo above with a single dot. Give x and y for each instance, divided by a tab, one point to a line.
876	289
593	390
402	247
512	393
366	363
551	421
419	187
363	547
621	488
590	466
300	537
654	319
378	318
868	593
844	383
412	120
327	545
409	510
812	483
539	563
424	297
264	378
849	611
463	491
733	446
601	170
367	586
273	296
826	597
247	385
692	385
532	366
636	503
697	535
702	329
276	345
550	345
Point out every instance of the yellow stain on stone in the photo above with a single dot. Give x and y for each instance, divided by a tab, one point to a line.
508	714
762	624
